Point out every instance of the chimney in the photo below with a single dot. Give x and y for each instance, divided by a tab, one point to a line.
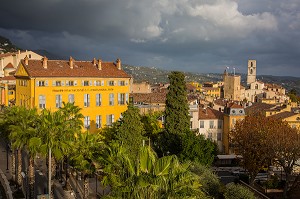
71	62
118	62
19	52
94	61
45	62
26	60
99	64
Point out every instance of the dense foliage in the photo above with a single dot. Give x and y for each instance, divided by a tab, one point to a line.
236	191
177	119
261	140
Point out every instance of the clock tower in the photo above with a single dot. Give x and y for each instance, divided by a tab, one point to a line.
251	76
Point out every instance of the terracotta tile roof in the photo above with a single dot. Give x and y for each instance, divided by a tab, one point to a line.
283	115
6	54
220	102
61	68
233	105
8	78
9	66
192	97
258	108
209	113
149	98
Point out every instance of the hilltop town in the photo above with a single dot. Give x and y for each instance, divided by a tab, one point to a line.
105	91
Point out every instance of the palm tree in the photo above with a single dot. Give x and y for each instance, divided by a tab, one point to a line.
33	148
22	132
85	148
149	176
51	129
73	125
10	118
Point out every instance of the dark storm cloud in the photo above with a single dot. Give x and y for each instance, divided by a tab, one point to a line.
187	35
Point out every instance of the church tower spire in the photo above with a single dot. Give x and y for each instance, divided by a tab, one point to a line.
251	76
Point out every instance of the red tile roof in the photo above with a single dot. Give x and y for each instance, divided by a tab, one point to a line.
258	107
6	54
8	78
220	102
9	65
149	98
233	105
61	68
209	113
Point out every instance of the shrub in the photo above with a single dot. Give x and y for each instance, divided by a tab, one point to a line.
236	191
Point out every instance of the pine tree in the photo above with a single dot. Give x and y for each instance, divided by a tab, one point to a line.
177	119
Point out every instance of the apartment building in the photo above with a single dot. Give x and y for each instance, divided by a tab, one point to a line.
100	89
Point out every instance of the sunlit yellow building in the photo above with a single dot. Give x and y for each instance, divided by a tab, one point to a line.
100	88
232	113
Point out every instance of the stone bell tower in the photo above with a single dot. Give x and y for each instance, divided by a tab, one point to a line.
251	76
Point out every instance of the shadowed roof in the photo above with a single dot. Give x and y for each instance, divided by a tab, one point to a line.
258	107
283	115
209	113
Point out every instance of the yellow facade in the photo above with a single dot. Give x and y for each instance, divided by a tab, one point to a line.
197	85
293	121
232	114
102	99
212	91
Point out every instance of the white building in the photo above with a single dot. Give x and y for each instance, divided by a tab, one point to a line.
211	125
14	59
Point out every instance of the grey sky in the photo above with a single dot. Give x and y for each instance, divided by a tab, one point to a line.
190	35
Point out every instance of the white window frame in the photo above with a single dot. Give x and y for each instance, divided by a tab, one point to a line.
86	100
87	122
98	99
111	99
71	98
121	83
58	101
110	119
98	121
121	98
220	124
201	124
42	101
110	83
85	83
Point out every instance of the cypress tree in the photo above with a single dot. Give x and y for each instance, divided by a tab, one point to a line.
177	119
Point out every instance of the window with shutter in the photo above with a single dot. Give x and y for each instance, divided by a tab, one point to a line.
86	100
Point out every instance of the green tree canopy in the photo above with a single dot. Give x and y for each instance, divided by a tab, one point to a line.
236	191
177	119
197	149
149	176
129	130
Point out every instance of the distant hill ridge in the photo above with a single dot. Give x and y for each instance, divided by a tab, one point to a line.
156	75
6	46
